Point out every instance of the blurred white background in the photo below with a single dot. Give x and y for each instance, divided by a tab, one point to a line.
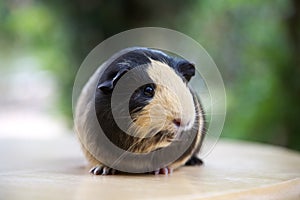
28	96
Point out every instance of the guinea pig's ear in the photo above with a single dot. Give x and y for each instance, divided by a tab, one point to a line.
108	85
186	69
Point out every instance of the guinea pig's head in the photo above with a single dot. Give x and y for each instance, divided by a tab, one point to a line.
163	108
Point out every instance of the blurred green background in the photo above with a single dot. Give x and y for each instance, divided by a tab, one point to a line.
255	44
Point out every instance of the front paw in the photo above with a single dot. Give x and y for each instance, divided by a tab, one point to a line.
164	170
102	170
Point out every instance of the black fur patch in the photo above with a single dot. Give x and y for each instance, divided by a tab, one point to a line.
194	160
139	100
142	56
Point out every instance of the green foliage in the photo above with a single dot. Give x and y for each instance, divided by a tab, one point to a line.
249	42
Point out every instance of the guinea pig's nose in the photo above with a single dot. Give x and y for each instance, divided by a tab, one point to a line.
177	122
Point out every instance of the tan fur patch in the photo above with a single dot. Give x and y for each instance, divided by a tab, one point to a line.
172	100
172	94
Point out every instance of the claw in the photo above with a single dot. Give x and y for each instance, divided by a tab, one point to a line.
102	170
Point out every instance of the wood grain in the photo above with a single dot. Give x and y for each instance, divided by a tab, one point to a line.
55	169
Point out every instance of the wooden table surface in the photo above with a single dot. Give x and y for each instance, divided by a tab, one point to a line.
55	169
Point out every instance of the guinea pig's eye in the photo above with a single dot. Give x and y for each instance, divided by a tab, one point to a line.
148	91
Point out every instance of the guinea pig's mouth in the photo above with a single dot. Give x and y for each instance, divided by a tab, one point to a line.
164	138
167	136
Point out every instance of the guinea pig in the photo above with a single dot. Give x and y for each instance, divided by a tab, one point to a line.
140	101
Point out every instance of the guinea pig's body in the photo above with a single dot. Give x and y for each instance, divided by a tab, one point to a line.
161	112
